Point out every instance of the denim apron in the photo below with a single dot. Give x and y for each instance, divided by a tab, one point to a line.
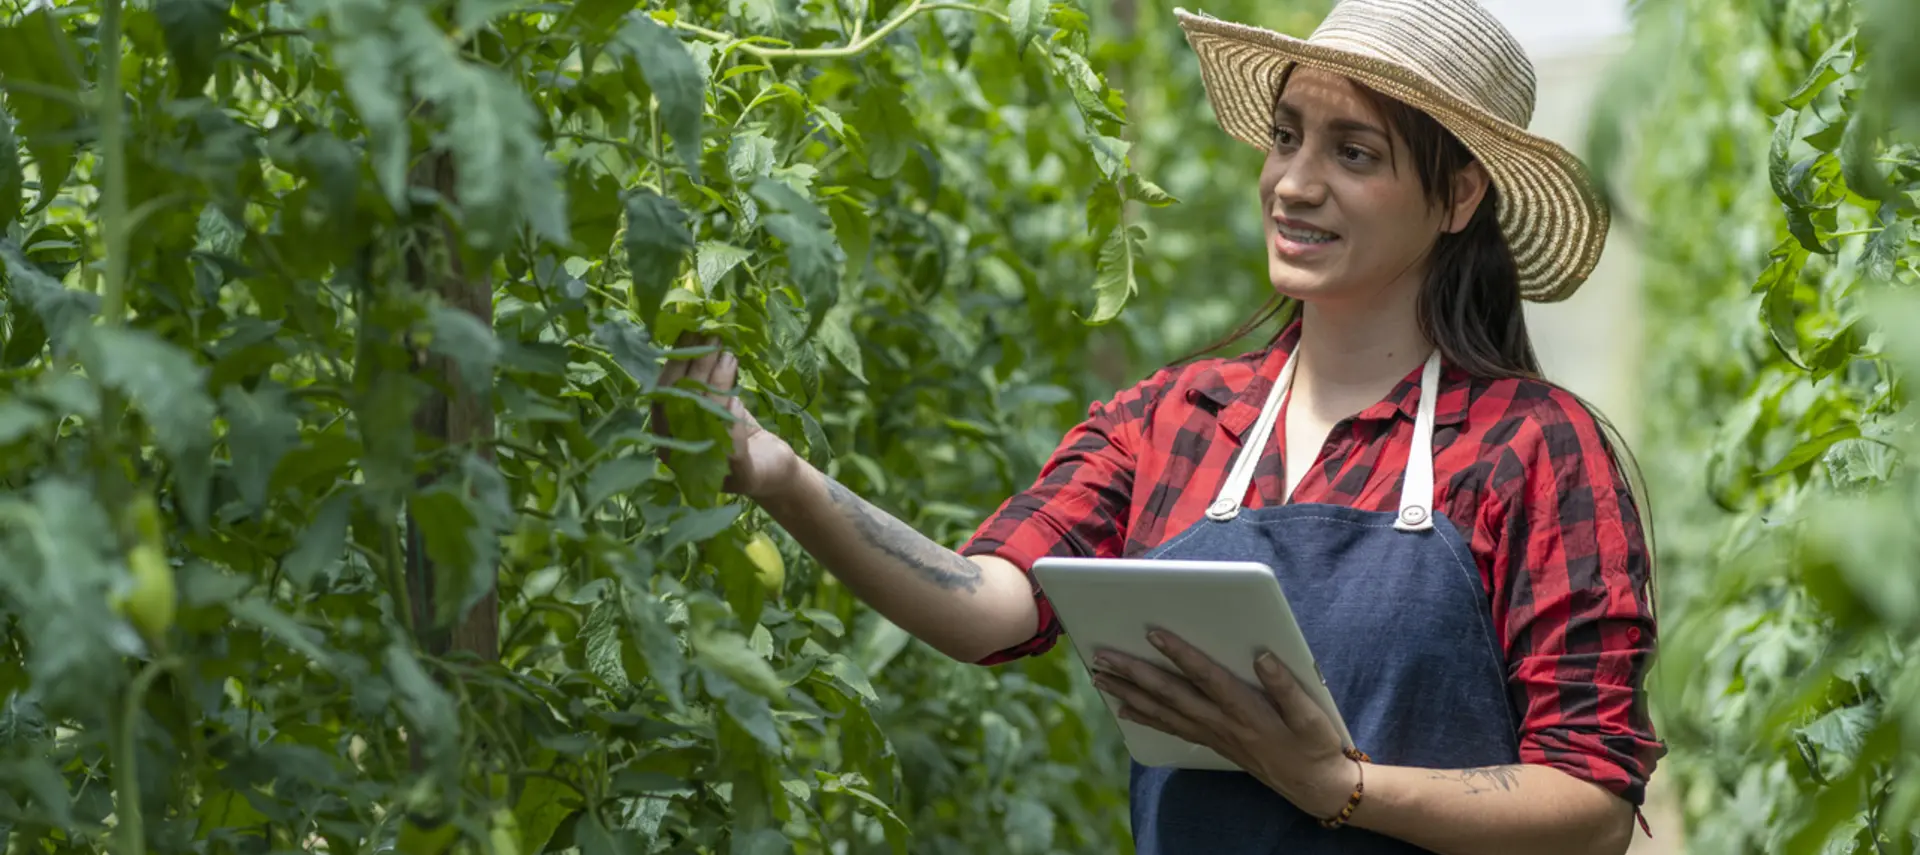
1399	622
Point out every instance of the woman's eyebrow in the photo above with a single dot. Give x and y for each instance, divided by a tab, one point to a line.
1287	113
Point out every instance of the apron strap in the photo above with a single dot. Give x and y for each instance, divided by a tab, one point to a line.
1240	477
1416	490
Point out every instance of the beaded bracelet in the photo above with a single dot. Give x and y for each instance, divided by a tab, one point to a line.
1359	759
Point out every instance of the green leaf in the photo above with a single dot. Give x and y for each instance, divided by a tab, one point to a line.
597	18
1115	284
1858	148
837	337
1146	192
1807	450
697	525
714	260
676	82
848	671
602	636
263	616
369	60
261	429
1089	92
1027	16
322	542
19	420
59	308
40	779
1881	255
749	156
754	716
502	175
192	29
727	652
12	178
169	387
1777	308
1110	154
1779	164
1840	734
466	340
464	551
765	841
813	258
616	477
1831	66
39	67
659	645
543	805
658	239
888	129
594	838
428	709
633	349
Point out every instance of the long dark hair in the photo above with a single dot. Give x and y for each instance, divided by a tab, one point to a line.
1469	304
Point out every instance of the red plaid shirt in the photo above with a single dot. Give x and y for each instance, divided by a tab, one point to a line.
1520	467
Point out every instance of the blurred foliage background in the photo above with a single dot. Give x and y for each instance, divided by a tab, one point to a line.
1764	155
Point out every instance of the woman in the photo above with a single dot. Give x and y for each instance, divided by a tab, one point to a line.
1459	540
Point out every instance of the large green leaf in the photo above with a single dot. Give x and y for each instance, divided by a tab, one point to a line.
463	546
1116	284
675	81
469	343
813	257
658	240
1028	16
39	69
192	29
503	177
59	309
261	428
11	175
169	388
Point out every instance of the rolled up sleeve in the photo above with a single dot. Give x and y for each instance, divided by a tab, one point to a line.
1079	505
1573	605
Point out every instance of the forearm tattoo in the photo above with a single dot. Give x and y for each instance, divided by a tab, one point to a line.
1485	779
943	567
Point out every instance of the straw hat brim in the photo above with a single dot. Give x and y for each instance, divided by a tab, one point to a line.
1554	220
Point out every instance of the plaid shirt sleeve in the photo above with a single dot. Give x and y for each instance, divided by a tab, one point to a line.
1078	506
1571	568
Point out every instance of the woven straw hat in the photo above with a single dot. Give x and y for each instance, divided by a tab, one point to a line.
1452	60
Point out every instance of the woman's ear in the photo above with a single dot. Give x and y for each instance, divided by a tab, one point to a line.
1469	187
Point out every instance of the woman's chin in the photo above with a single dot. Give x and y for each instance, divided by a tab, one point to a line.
1290	281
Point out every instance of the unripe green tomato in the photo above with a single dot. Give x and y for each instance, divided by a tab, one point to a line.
150	603
144	513
767	563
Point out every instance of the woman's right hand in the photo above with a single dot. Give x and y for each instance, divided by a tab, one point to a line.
760	463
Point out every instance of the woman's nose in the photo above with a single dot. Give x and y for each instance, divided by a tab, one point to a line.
1300	182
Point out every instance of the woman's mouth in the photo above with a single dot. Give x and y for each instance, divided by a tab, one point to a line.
1293	240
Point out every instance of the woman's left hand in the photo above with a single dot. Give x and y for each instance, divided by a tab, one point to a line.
1280	736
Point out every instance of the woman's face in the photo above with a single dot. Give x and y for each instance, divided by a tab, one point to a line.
1342	222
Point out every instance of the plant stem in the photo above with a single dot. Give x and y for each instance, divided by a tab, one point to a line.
126	783
859	44
1856	232
113	190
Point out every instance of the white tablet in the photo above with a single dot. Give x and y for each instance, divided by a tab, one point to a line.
1231	610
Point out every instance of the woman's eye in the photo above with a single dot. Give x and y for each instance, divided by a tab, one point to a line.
1356	154
1283	136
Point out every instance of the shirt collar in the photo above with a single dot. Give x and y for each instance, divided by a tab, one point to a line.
1236	388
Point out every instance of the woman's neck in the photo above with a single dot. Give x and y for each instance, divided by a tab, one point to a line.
1351	357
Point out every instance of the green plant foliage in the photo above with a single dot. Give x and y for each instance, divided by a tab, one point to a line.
1772	159
330	515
